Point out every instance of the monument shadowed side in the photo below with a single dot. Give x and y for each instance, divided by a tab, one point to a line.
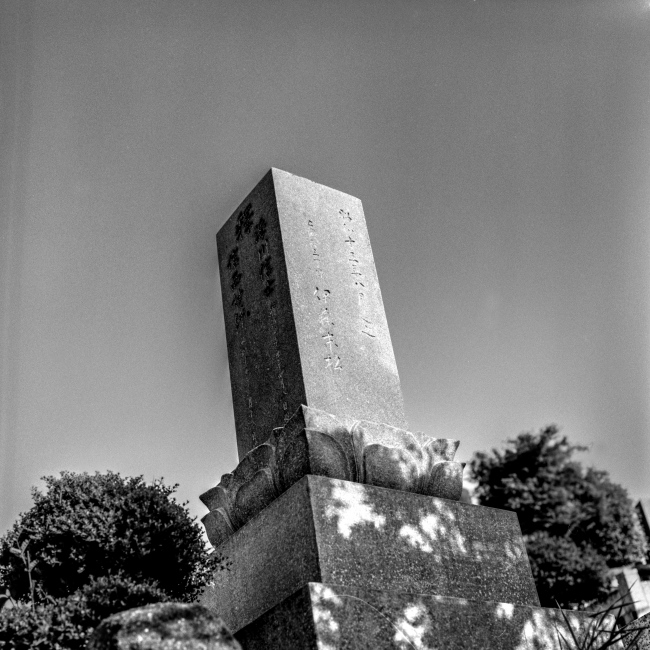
260	328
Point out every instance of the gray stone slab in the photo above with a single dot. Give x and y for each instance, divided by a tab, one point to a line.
163	626
339	532
305	321
323	616
636	634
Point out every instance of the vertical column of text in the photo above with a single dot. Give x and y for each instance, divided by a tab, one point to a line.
267	279
358	279
322	294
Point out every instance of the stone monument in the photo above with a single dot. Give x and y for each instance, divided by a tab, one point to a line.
340	528
304	317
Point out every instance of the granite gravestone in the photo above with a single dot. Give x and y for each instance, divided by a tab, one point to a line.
339	528
305	321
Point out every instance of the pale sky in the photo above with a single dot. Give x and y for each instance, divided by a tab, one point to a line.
501	149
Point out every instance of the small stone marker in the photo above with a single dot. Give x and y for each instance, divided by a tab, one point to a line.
163	626
636	635
305	321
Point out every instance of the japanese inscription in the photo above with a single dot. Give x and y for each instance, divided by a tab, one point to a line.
245	225
356	273
322	294
268	286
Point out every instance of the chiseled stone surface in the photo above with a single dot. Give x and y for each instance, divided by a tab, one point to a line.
267	559
321	616
637	634
338	532
315	442
305	321
163	626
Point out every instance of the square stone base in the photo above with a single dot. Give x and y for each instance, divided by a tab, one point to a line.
326	617
338	532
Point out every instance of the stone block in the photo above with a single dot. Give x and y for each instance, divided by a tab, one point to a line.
636	635
321	616
315	442
163	626
338	532
304	316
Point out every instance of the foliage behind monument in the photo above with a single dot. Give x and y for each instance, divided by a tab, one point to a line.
576	522
90	546
86	526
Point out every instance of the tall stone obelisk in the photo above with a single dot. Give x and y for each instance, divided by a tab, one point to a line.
305	321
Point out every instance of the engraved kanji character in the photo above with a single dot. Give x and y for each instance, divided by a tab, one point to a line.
233	258
235	279
269	287
260	229
244	222
266	269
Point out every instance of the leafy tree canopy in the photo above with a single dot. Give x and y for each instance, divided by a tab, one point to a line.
87	526
575	521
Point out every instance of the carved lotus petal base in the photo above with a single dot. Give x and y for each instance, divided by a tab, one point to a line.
315	442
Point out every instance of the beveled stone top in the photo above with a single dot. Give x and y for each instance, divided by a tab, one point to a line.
315	442
305	321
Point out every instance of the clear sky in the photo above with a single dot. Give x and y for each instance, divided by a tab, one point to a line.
501	149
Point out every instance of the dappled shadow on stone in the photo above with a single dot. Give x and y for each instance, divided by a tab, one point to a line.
432	531
343	615
343	533
424	544
413	627
325	603
351	507
382	619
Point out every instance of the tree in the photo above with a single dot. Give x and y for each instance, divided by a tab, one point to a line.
576	523
91	546
87	526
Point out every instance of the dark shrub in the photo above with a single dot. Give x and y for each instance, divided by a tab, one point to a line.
68	622
88	526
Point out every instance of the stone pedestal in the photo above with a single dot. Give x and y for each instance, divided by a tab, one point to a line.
343	533
333	564
321	616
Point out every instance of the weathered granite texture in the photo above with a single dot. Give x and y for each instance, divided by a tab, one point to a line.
305	321
636	635
338	532
320	616
315	442
163	626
